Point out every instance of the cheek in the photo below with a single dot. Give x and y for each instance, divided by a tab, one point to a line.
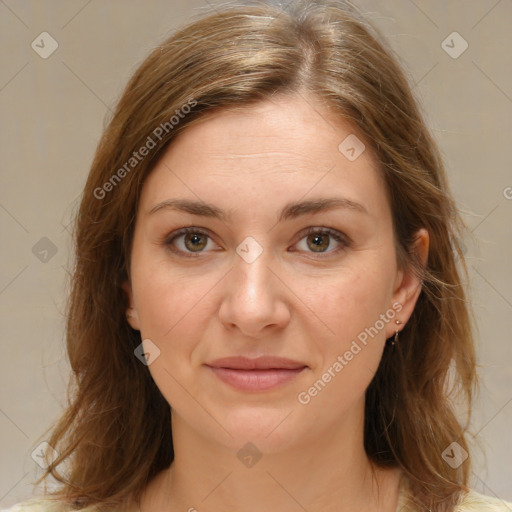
160	293
355	311
168	303
351	350
349	304
172	315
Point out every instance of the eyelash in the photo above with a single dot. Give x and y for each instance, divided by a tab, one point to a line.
342	239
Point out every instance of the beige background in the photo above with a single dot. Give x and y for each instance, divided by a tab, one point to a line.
53	111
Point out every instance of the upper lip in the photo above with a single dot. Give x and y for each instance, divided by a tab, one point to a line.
258	363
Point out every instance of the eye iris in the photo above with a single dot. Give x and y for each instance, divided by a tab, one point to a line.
195	239
317	241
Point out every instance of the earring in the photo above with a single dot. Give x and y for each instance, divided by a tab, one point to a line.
395	339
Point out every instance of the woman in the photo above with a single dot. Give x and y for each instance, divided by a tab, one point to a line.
267	310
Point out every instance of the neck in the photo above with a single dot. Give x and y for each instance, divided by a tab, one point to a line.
329	473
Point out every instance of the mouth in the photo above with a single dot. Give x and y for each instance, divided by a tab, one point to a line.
260	374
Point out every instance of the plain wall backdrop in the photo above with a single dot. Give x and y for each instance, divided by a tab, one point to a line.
52	116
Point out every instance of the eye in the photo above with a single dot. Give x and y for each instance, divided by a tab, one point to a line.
193	241
188	241
319	240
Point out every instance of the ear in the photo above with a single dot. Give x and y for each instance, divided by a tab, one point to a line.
131	312
408	284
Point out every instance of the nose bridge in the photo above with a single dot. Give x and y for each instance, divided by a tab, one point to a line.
252	298
251	276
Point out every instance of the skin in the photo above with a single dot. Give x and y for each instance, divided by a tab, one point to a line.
293	301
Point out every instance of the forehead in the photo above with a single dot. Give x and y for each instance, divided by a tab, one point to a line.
279	150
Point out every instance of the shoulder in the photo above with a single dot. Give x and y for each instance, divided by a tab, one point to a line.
35	505
469	501
473	501
47	504
43	505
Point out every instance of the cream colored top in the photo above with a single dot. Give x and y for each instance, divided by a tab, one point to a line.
470	502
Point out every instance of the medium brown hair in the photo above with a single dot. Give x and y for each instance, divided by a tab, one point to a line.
115	434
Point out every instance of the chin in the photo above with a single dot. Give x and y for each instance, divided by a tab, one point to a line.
270	430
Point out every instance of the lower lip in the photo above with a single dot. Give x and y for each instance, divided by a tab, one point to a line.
256	380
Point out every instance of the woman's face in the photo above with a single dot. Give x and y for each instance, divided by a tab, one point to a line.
289	254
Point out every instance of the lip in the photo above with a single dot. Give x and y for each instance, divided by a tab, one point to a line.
258	363
259	374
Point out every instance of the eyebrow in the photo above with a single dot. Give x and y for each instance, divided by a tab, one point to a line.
290	211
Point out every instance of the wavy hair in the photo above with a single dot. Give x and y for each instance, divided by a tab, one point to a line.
115	434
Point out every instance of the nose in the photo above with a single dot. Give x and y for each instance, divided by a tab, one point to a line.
254	299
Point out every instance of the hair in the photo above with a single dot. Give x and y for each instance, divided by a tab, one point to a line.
115	434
